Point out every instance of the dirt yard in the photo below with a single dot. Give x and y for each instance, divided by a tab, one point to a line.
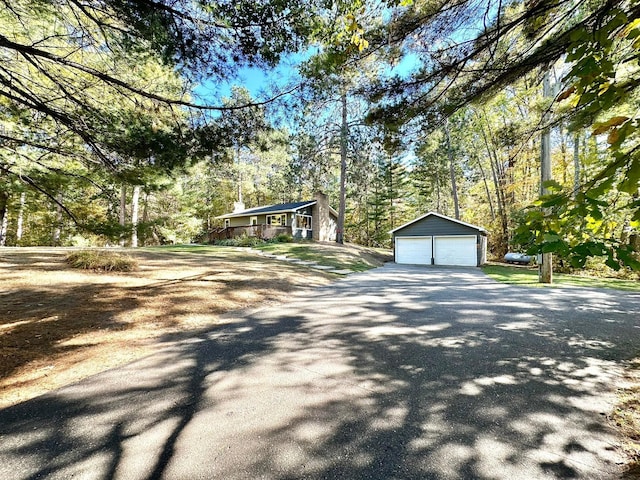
59	325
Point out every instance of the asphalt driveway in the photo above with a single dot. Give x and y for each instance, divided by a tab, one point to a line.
397	373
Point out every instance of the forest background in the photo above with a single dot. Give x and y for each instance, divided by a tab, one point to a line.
131	123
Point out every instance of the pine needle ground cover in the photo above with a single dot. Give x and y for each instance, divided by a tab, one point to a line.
59	324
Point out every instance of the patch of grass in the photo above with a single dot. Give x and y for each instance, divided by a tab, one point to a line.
211	252
529	276
348	257
181	248
342	257
101	260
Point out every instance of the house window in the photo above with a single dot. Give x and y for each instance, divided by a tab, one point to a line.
277	220
303	222
227	223
254	221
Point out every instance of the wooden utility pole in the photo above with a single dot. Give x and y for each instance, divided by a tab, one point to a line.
545	268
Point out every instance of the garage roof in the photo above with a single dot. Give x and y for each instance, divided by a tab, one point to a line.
480	229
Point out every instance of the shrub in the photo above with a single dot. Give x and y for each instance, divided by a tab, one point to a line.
226	242
283	238
101	260
243	241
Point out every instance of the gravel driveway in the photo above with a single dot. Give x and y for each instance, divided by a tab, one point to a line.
397	373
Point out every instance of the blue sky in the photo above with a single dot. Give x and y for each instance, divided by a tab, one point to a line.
260	81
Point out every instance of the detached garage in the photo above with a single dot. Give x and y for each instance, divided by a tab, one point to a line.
435	239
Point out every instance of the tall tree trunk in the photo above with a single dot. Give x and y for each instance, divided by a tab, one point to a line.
438	206
576	164
145	208
145	215
500	197
563	155
545	272
486	189
391	193
57	231
20	223
4	218
123	211
343	169
452	172
239	175
134	215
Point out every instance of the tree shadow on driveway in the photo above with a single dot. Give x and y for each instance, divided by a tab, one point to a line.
396	373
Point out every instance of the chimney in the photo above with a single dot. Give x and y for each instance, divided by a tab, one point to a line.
238	207
320	221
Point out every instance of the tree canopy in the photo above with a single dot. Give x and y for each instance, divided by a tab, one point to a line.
95	95
469	51
99	72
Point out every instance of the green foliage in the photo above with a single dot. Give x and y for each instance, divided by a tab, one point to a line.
247	241
592	220
101	260
577	229
283	238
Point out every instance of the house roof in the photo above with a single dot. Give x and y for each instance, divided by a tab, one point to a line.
279	208
441	216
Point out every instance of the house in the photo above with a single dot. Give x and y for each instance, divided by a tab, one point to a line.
312	219
435	239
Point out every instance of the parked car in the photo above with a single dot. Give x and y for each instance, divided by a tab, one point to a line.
519	258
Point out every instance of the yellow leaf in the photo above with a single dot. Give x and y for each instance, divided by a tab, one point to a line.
574	101
632	25
603	88
613	137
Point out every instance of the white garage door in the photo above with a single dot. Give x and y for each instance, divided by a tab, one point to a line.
459	250
413	250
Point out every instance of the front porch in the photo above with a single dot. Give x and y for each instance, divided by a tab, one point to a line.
265	232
